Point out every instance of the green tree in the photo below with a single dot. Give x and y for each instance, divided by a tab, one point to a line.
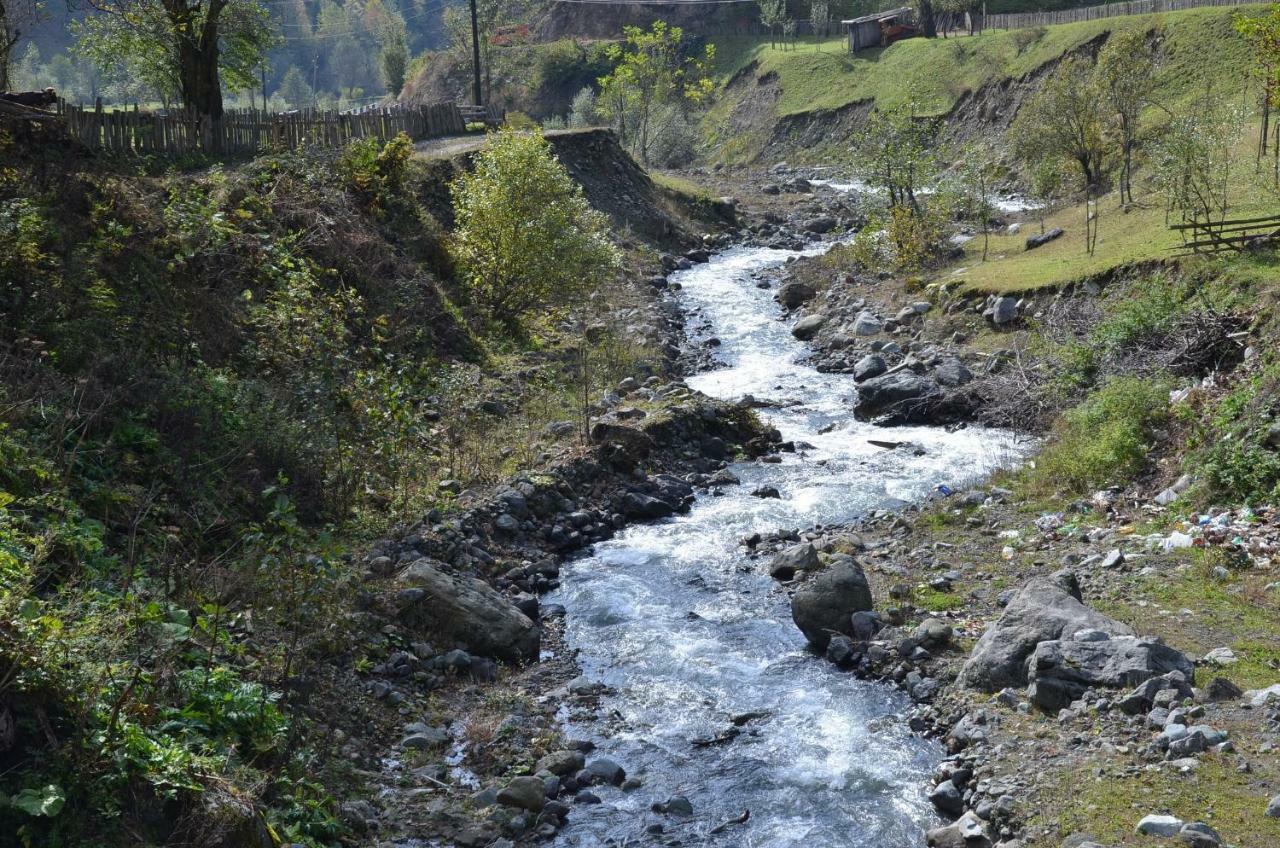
16	17
1263	33
898	153
927	18
820	18
773	13
1125	77
393	38
1194	159
651	72
526	237
1045	182
490	16
185	47
582	112
978	171
295	90
1064	120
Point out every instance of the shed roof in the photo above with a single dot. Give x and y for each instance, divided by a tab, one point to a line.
879	16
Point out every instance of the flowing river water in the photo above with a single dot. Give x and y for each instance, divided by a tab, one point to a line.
689	633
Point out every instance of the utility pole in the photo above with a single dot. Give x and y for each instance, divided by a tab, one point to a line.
475	51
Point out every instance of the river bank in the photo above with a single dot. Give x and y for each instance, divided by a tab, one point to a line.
649	745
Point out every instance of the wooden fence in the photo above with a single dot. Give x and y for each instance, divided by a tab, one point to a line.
1026	20
1202	236
252	130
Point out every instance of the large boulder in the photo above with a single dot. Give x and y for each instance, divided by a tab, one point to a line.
795	293
965	832
785	564
464	611
870	366
807	328
1003	311
901	395
621	443
825	605
1062	669
1046	609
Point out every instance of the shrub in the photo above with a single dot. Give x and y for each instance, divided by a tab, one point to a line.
374	170
582	113
1104	440
1233	452
1154	307
525	235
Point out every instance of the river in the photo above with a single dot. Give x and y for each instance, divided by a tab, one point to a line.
689	632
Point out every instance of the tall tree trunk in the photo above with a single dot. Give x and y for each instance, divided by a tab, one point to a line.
928	21
8	38
199	82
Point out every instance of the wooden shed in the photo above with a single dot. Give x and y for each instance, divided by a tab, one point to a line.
880	29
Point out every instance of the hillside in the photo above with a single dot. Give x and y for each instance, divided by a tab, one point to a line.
783	101
219	385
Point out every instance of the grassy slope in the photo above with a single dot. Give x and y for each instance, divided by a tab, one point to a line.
1139	234
937	72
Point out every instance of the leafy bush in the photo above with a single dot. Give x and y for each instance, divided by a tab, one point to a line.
1154	305
525	234
902	238
582	113
373	169
1231	446
1104	440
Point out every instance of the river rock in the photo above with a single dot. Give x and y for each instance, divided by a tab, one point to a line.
605	770
948	798
932	633
807	328
952	373
465	611
820	224
626	442
1003	311
1199	835
965	832
561	763
867	324
1273	808
1154	825
905	396
1061	670
794	294
527	793
825	604
1143	696
869	366
795	558
1046	609
645	507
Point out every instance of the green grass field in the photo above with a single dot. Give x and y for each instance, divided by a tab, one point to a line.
1200	52
1124	237
1201	49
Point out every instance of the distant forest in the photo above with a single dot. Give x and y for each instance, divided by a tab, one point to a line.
326	53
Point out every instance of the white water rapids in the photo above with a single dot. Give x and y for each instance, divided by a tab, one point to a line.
689	632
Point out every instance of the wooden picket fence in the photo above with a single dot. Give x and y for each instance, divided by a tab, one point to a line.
252	130
1027	20
1209	236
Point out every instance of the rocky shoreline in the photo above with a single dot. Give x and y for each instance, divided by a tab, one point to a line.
990	620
